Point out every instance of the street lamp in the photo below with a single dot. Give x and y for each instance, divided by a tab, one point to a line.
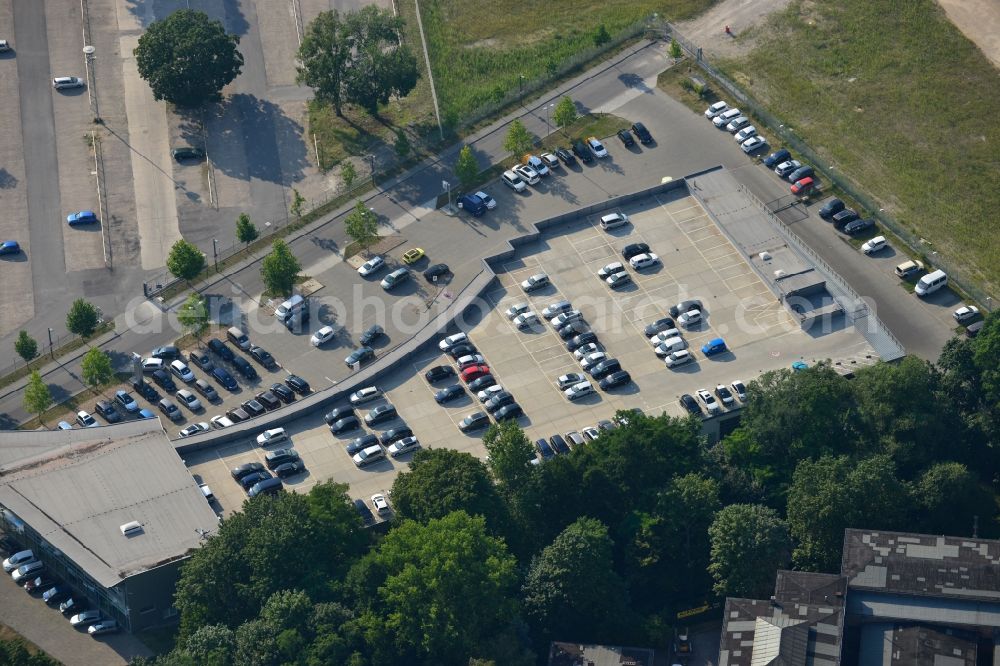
215	253
520	84
371	159
548	110
52	351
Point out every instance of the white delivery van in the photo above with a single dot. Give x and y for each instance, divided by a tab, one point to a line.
930	283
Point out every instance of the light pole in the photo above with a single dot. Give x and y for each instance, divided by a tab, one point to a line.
548	110
371	159
52	351
520	84
215	253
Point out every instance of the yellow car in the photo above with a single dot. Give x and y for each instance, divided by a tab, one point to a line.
413	255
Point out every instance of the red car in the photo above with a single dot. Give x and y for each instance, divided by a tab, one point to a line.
803	186
474	372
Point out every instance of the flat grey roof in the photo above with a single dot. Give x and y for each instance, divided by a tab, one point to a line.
575	654
922	564
78	487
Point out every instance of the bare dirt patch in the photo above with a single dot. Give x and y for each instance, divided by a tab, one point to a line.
979	20
709	29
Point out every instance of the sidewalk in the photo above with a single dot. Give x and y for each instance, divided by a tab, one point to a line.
602	88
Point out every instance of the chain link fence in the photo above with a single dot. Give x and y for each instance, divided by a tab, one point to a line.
957	276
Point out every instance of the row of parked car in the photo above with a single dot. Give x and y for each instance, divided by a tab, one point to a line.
369	448
30	573
733	121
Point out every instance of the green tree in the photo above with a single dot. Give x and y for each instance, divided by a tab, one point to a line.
187	58
297	201
402	144
13	652
324	53
564	113
601	35
675	49
572	591
25	346
348	173
362	225
833	493
467	167
193	315
509	454
381	64
212	644
280	269
518	140
434	593
949	498
96	367
185	260
82	318
37	396
246	231
987	356
441	481
749	543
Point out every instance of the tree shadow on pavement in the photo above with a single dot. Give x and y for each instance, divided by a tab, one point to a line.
244	134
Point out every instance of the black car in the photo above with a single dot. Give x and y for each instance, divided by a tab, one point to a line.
474	421
221	349
268	399
685	306
284	393
338	413
831	208
345	424
543	447
657	326
642	133
437	270
477	385
374	332
263	357
206	389
108	411
464	349
690	404
289	469
448	393
581	340
366	514
776	158
244	368
802	172
618	378
634	249
146	390
573	329
238	415
857	226
164	380
626	138
297	320
168	353
511	411
499	400
439	372
201	359
605	368
245	469
56	595
566	156
843	216
361	443
188	153
581	150
381	413
390	436
360	355
297	384
251	480
225	379
558	444
279	457
253	407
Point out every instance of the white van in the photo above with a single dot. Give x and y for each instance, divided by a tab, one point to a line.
613	221
931	282
290	307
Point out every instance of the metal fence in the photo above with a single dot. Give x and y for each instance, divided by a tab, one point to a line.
46	351
957	275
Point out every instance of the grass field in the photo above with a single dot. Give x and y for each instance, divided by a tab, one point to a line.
895	97
480	52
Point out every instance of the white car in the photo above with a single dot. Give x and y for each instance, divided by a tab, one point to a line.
152	364
710	402
745	134
528	174
689	318
679	358
553	310
221	421
403	446
84	418
786	168
740	389
589	361
613	221
965	313
372	266
189	400
753	143
86	617
534	282
550	160
489	392
578	390
513	181
517	309
272	436
723	118
322	336
873	245
182	371
737	123
525	320
207	492
64	82
364	395
715	109
725	395
490	202
597	146
670	346
618	279
380	503
640	261
537	164
663	336
195	428
565	381
610	269
586	349
452	340
561	320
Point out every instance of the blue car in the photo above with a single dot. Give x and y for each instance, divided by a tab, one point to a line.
799	366
222	376
146	414
81	217
10	247
716	346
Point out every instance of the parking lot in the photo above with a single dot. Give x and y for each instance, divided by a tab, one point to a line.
698	262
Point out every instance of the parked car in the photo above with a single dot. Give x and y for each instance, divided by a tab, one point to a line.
511	411
679	358
745	134
658	326
436	271
188	399
615	379
804	171
581	340
786	168
359	356
195	429
711	404
85	618
368	456
474	421
474	372
715	109
736	124
537	164
107	410
170	409
581	150
527	174
182	371
634	249
489	201
279	457
439	372
395	278
965	313
81	218
272	436
403	445
803	186
597	147
690	404
10	247
525	320
221	349
567	380
565	156
605	368
641	261
85	419
253	407
513	181
380	414
366	394
244	368
753	144
831	208
263	357
776	158
626	138
103	627
372	333
642	133
613	221
535	282
477	385
297	384
206	390
471	203
449	393
163	379
580	390
226	380
873	245
689	318
857	226
724	395
713	346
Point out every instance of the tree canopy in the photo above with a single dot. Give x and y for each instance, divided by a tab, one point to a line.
467	167
185	260
96	366
361	225
188	58
749	544
280	269
25	346
193	315
518	140
37	396
246	230
82	318
565	112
